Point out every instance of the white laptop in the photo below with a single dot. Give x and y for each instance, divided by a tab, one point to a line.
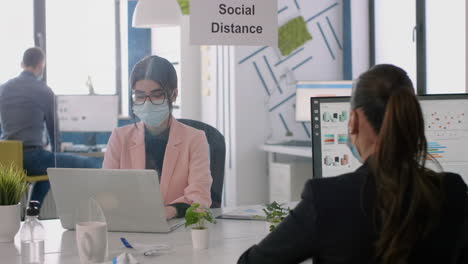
131	199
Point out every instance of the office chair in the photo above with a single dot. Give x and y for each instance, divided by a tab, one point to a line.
11	151
217	146
462	243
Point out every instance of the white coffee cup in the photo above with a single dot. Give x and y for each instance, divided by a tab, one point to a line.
91	239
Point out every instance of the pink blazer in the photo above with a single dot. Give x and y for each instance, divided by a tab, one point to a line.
186	176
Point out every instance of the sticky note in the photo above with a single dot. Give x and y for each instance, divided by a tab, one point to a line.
292	35
184	6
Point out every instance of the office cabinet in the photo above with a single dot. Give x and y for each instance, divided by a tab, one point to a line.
286	180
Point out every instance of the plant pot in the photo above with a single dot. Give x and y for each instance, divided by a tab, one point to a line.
200	238
268	224
10	222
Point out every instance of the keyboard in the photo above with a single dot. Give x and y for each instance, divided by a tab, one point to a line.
79	148
294	143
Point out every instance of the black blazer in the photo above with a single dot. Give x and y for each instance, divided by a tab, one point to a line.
334	223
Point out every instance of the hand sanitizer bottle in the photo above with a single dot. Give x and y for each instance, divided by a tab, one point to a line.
32	236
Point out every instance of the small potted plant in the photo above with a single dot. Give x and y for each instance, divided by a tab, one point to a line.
12	187
198	217
275	213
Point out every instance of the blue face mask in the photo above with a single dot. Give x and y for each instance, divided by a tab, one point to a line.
152	115
353	149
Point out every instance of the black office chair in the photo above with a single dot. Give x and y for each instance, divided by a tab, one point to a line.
217	158
462	243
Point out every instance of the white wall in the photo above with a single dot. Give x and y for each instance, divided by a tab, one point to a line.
260	114
247	114
190	79
208	85
360	36
251	130
218	103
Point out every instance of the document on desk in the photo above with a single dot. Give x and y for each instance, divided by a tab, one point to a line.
252	212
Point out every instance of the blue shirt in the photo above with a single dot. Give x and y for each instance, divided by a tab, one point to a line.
26	103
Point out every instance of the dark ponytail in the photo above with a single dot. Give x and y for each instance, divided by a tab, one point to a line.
409	196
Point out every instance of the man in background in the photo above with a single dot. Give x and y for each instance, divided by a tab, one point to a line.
27	105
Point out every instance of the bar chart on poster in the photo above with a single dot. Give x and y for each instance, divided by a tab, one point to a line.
87	113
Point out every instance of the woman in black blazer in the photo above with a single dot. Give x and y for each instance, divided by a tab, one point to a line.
392	209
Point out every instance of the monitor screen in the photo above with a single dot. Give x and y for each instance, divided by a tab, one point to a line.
446	124
87	113
331	155
307	89
446	121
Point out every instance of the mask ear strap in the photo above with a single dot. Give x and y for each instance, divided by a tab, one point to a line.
166	93
173	95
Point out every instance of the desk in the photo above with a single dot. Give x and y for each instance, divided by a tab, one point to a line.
305	152
228	240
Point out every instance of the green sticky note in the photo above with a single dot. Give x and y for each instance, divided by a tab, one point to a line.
184	6
292	35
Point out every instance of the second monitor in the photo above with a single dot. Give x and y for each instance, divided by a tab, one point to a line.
87	113
446	129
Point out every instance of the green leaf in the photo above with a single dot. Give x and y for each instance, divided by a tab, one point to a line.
275	212
12	184
272	227
198	216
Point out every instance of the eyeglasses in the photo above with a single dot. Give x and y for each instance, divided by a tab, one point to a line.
156	97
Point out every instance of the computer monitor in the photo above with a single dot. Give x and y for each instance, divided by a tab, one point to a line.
307	89
331	155
446	122
87	113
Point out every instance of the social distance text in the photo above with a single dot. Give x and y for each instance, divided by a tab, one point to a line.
233	28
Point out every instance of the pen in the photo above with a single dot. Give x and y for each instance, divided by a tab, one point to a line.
125	243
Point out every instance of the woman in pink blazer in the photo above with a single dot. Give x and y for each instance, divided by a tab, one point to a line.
179	153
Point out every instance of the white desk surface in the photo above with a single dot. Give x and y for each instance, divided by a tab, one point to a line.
228	240
288	150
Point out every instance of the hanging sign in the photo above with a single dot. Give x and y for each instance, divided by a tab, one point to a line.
234	22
